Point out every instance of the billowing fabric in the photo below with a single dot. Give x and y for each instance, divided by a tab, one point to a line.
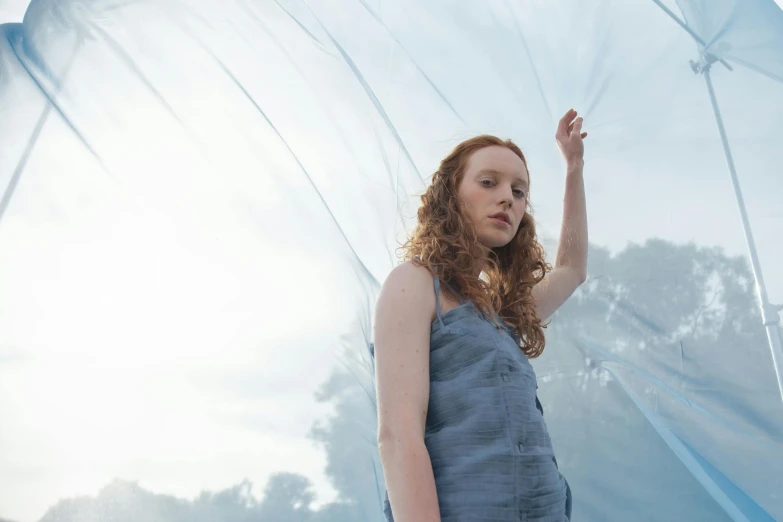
199	200
491	454
748	33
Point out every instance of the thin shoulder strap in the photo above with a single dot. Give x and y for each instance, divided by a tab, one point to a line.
436	280
457	294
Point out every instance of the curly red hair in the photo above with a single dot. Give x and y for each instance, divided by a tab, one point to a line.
445	242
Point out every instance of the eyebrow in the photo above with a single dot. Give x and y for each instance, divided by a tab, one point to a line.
493	171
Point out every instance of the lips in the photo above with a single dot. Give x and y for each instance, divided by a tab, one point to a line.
501	216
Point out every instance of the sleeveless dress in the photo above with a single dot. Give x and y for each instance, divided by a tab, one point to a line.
491	455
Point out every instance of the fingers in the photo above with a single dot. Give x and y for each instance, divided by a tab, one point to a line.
569	126
563	127
572	125
575	129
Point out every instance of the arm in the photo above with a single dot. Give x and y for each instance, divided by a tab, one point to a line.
402	336
570	268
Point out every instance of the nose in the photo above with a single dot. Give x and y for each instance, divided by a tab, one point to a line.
507	196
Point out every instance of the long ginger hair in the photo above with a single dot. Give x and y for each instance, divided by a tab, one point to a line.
446	243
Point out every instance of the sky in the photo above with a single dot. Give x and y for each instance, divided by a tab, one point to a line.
207	217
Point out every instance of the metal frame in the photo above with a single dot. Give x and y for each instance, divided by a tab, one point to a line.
769	312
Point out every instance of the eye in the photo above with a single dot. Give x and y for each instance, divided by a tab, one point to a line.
486	182
520	193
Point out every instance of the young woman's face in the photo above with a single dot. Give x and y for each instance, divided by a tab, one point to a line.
494	194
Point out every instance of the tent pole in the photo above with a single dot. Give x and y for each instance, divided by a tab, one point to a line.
680	22
769	312
702	43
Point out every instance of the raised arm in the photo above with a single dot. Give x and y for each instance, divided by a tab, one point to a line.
403	317
570	268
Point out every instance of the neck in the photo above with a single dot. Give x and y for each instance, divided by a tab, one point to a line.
480	264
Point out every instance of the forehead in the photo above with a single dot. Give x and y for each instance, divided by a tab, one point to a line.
498	161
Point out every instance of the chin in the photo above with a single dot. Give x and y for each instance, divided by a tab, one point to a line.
495	241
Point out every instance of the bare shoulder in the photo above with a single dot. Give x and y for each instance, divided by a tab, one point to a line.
406	302
409	279
409	272
403	314
408	291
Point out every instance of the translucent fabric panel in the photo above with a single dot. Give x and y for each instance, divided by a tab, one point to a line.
200	200
746	33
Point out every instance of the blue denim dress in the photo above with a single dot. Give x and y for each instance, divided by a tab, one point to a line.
491	455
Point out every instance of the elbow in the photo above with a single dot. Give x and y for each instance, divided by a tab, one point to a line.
383	440
386	433
394	440
387	439
385	447
579	274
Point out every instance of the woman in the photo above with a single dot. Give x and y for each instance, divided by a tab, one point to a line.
460	430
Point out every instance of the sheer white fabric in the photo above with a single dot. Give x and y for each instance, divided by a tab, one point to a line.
200	199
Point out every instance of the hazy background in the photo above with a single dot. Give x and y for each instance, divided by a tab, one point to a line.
201	199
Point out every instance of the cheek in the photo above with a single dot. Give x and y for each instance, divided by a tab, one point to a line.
468	199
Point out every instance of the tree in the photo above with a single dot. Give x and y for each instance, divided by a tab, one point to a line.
662	350
664	319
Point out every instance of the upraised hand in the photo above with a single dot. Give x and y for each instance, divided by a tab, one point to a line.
569	138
